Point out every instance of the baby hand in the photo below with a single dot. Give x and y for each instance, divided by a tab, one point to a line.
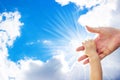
90	47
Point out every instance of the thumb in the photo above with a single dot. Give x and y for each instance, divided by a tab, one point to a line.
93	30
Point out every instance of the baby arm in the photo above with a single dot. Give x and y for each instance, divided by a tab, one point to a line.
95	65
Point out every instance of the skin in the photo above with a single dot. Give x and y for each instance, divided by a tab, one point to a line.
94	60
107	41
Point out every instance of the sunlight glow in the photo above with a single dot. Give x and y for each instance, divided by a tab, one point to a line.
67	35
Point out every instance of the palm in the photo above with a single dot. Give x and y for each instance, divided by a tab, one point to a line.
106	42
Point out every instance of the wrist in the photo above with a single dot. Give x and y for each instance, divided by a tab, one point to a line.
92	54
94	58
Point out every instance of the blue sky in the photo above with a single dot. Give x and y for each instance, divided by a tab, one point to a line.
50	31
36	15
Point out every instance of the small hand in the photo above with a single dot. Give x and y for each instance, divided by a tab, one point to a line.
90	48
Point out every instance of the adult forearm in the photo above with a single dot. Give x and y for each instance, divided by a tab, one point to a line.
95	68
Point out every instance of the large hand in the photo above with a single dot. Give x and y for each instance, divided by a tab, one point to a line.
107	41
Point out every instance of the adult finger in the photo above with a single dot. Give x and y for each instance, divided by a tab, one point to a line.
93	30
104	52
81	48
86	61
101	56
82	57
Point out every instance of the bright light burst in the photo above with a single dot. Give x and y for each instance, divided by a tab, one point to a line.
67	34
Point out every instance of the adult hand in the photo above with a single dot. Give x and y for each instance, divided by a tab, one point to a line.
107	41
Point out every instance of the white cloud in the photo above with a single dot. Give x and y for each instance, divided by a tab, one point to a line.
62	2
47	42
9	26
9	31
30	43
50	70
55	68
106	13
81	3
111	66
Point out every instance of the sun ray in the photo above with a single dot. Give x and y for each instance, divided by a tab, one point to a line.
67	34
